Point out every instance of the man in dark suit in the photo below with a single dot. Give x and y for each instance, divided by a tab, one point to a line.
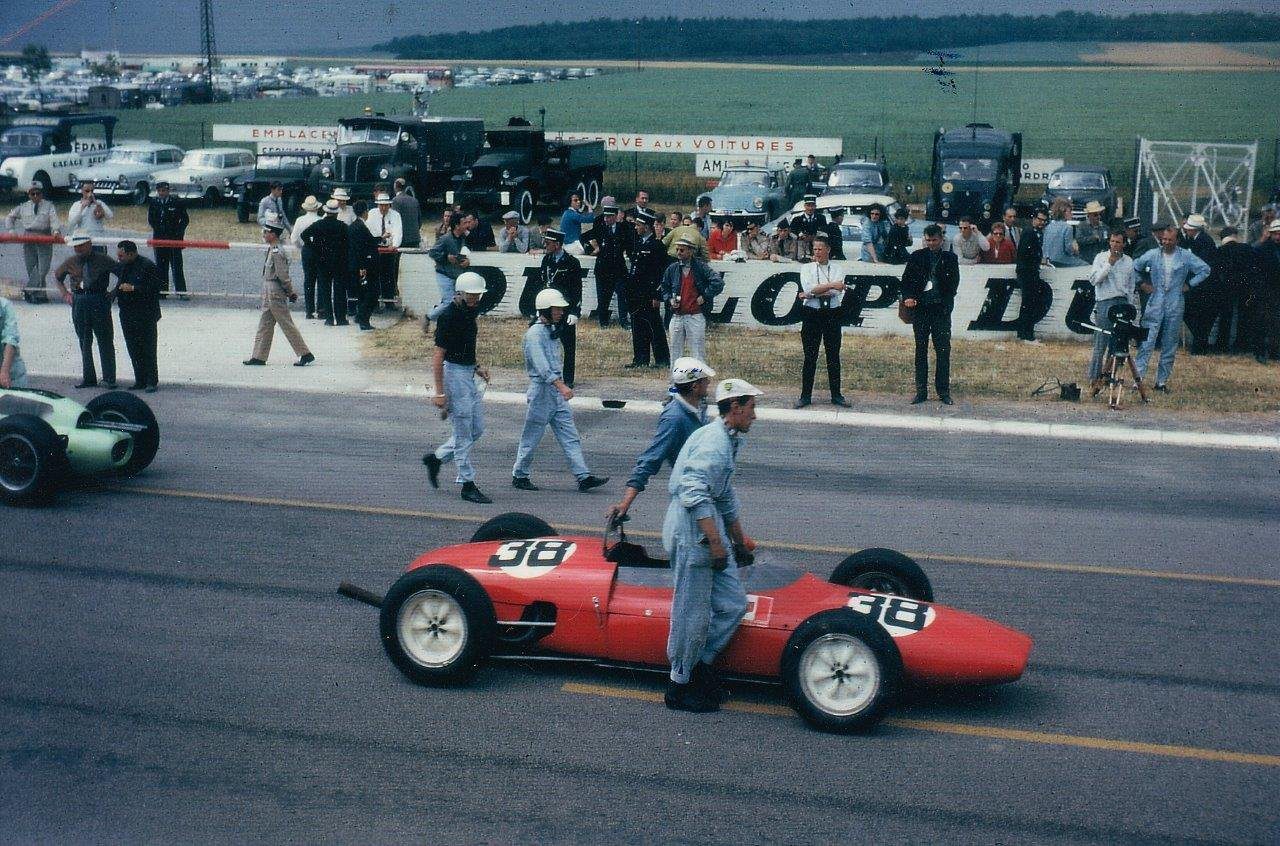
929	285
168	219
649	261
834	232
563	272
1029	258
362	263
609	241
138	295
809	222
327	238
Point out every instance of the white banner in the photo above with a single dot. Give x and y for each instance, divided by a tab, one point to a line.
712	167
279	136
762	295
730	145
1038	171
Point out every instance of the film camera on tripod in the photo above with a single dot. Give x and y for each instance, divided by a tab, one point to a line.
1122	335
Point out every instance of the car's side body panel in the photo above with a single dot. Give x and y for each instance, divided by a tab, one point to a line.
88	451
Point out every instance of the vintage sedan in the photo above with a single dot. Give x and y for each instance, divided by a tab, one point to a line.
205	174
747	189
130	169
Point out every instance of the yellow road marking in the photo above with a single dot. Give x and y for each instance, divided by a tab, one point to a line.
990	732
1006	563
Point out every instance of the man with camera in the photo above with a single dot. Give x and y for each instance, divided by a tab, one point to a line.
1114	282
1174	272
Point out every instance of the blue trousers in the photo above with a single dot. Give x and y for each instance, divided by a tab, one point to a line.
446	294
547	407
466	412
705	610
1165	328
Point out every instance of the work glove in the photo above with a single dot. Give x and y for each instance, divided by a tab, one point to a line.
571	320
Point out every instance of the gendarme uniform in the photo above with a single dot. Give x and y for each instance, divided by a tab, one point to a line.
276	291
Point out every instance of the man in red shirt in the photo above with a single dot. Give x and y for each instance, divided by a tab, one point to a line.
1000	249
690	286
723	240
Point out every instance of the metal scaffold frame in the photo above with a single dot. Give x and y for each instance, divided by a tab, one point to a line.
1176	178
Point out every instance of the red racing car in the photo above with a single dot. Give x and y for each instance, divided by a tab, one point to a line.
841	648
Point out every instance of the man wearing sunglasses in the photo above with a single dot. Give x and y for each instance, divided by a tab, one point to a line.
37	216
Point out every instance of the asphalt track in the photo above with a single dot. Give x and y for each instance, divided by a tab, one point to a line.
175	665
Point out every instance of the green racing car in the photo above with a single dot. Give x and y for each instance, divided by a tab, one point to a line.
46	438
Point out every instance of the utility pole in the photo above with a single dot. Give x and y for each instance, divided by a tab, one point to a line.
208	47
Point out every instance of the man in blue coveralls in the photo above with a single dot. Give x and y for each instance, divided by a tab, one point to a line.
455	369
680	418
549	396
709	600
1174	272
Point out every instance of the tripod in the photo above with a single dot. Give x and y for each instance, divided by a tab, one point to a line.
1112	376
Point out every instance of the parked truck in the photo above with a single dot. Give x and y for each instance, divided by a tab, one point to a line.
427	152
520	169
49	149
976	172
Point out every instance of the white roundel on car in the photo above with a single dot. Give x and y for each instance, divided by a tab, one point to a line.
898	615
528	559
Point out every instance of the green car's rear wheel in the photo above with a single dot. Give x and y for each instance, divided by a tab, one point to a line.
30	454
122	407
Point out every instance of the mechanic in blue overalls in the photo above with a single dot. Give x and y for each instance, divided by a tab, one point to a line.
458	384
680	418
1174	271
703	535
549	396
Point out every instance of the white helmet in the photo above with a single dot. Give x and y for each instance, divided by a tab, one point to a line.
470	283
550	298
731	388
689	369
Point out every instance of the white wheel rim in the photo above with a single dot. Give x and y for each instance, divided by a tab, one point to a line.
432	628
839	675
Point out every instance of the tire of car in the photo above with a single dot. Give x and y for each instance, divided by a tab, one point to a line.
31	459
123	407
212	196
513	525
437	625
524	206
140	193
884	571
242	212
841	671
593	193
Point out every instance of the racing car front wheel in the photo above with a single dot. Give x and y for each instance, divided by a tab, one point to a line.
513	525
29	459
841	671
884	571
437	625
122	407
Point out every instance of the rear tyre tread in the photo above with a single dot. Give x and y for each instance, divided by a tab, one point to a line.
513	525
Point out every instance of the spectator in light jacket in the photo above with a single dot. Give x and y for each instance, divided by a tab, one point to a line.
1174	272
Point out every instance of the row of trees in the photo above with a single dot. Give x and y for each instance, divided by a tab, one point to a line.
729	38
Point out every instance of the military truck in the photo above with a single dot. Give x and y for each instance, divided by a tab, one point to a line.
520	168
425	151
976	171
291	168
49	149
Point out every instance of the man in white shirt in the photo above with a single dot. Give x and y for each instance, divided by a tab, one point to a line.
1114	282
37	216
821	297
970	244
271	207
310	209
385	224
89	215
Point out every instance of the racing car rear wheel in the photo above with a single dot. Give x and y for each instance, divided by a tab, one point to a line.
121	407
437	625
841	671
513	526
30	454
884	571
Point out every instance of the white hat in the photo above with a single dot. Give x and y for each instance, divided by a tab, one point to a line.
382	199
1273	226
340	194
1195	221
470	283
310	203
550	298
685	242
1094	207
78	239
332	207
511	215
688	369
731	388
272	221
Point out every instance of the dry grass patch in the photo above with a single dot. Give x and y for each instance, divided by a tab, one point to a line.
990	370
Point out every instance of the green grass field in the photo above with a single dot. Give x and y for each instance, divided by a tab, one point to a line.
1080	114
